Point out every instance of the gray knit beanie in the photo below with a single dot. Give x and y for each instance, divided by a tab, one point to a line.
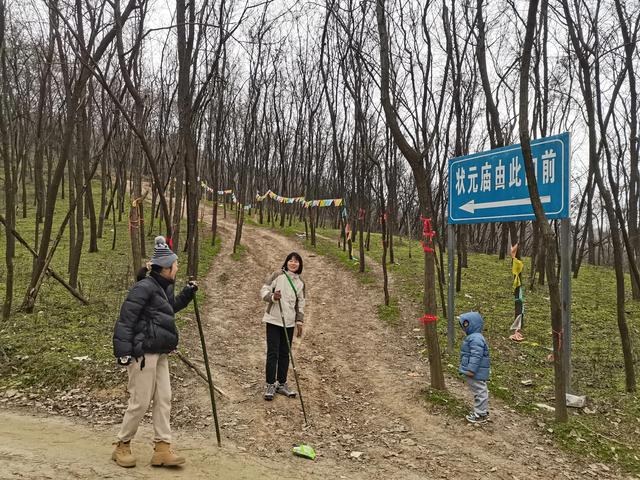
162	254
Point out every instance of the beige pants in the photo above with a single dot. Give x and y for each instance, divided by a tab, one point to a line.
150	383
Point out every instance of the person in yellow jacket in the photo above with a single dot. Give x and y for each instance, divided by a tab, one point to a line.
283	291
518	322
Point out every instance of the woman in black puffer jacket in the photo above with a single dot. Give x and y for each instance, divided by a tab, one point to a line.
143	336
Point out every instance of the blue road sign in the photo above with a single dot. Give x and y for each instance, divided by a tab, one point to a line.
492	186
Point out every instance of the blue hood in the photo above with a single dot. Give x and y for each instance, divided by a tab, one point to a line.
476	323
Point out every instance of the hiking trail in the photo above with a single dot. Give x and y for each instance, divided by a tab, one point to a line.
363	384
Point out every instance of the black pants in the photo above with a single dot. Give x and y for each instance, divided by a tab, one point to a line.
277	353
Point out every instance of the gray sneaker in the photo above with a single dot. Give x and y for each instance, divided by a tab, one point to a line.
283	389
269	391
474	417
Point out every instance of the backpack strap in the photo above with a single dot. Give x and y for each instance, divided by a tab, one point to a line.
295	290
291	283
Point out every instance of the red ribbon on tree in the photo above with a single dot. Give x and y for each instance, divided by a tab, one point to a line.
170	242
559	335
426	318
428	233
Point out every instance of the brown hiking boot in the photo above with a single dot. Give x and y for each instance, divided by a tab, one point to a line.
164	457
122	455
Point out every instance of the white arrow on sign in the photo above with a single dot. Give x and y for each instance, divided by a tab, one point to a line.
471	206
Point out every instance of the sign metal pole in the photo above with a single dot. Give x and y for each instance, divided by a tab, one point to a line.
565	266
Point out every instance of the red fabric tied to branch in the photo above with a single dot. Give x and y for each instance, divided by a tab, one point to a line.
426	247
428	233
426	318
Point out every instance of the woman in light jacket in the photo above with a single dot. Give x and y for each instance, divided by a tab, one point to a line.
283	291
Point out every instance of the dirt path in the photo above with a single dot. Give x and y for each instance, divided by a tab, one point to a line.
44	447
361	380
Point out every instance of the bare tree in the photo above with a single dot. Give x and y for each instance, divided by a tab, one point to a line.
547	232
9	174
75	93
423	184
583	51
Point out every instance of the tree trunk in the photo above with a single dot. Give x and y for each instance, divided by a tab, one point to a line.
185	42
72	224
549	240
134	235
577	252
504	241
104	186
86	167
361	241
634	180
5	151
76	184
420	174
585	69
38	157
383	231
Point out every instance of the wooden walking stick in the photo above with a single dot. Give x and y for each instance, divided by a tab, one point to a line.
208	369
293	365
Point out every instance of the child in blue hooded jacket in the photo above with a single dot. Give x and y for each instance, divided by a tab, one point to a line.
474	365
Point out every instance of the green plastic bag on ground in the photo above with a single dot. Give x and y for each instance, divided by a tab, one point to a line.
306	451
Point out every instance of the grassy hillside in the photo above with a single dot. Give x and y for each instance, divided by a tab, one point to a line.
63	343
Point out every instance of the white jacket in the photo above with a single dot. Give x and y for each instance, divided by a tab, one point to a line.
292	301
